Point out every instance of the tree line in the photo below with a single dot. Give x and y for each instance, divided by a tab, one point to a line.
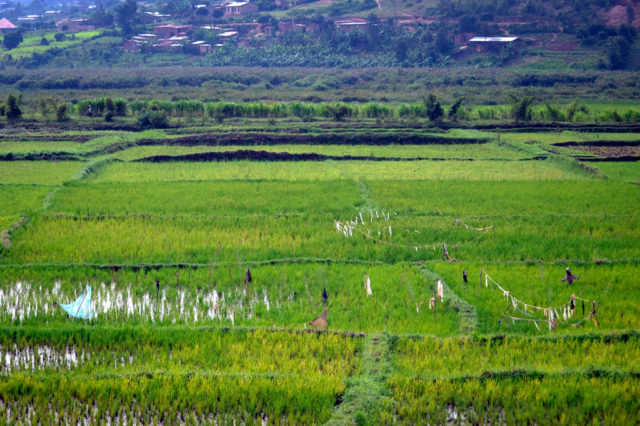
157	113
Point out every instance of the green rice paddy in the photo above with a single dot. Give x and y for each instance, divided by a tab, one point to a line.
182	336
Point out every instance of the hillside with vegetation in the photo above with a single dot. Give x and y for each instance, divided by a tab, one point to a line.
559	34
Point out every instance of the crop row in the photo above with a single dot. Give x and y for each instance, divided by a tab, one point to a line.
612	286
172	240
58	150
456	357
280	295
19	199
519	198
486	199
626	172
455	198
168	375
37	172
463	152
289	295
148	398
98	350
515	379
536	398
329	170
84	145
208	198
551	138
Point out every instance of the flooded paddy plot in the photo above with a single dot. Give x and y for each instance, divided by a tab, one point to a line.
229	375
281	295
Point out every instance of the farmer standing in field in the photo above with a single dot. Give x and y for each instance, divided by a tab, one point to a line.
569	277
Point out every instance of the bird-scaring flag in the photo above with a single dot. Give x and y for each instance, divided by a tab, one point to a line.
367	285
440	291
81	308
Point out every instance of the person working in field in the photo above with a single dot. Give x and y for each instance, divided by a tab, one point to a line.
569	277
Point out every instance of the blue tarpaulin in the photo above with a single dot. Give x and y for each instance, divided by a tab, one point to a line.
81	308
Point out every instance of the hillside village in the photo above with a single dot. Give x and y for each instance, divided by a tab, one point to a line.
166	34
411	36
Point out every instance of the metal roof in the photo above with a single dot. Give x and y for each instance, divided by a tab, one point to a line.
492	39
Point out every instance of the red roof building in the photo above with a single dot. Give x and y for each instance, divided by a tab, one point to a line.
6	26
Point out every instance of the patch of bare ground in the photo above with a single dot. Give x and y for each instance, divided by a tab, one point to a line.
617	15
610	151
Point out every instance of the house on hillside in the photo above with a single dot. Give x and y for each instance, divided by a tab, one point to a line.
133	45
287	26
240	8
136	43
202	47
493	43
228	36
153	17
6	26
29	18
170	30
352	24
74	25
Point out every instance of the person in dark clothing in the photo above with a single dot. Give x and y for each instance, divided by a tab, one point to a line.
464	276
569	277
157	292
325	297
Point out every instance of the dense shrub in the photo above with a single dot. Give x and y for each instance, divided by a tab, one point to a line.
12	109
153	119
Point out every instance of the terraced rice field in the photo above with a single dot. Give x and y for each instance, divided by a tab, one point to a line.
166	239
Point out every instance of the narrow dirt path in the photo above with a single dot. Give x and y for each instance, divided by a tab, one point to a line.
467	314
368	392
